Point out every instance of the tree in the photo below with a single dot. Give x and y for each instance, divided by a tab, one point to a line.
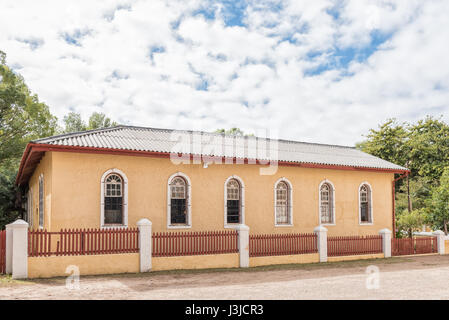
234	132
409	222
74	123
388	142
427	148
423	147
99	120
438	208
22	116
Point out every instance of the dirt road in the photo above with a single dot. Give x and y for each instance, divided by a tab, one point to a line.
421	277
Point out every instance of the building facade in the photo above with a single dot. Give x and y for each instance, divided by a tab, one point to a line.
116	176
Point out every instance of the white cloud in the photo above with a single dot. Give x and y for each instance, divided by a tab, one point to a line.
161	64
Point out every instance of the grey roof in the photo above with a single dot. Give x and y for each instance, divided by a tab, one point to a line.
220	145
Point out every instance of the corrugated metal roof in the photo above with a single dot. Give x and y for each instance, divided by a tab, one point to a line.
219	145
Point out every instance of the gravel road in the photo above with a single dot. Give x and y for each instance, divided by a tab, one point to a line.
420	277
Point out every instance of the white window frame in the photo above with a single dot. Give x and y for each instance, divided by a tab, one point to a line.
289	203
370	205
188	225
333	203
41	212
242	203
125	199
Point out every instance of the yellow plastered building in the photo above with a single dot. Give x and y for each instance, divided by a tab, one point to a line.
196	181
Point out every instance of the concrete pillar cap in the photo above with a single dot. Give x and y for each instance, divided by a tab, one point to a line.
385	231
144	222
242	227
320	229
19	224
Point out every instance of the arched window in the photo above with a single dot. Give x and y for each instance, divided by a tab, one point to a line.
365	203
283	200
114	199
234	201
178	201
327	203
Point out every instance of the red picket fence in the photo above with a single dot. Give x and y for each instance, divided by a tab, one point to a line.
3	251
409	246
282	244
353	245
69	242
168	244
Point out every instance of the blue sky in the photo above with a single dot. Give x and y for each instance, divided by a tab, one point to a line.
321	71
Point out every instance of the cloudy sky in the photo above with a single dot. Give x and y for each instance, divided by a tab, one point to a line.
311	70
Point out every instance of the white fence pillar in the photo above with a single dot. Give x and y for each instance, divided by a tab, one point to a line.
8	249
321	236
145	245
19	259
243	245
440	241
386	242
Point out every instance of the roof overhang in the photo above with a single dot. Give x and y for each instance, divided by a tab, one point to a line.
35	151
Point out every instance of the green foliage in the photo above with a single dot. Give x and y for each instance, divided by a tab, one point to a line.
423	147
9	205
420	191
73	123
97	120
387	143
438	204
234	131
428	148
22	116
408	222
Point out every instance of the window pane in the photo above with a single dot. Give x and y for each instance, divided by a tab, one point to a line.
178	212
282	205
113	210
41	202
233	211
326	209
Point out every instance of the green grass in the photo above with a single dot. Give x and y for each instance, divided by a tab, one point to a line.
7	280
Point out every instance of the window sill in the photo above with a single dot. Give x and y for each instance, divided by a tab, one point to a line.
327	224
174	226
232	226
114	226
365	223
284	225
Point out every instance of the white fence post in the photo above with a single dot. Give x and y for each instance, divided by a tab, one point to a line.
19	259
386	242
145	245
321	236
8	249
243	245
440	241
